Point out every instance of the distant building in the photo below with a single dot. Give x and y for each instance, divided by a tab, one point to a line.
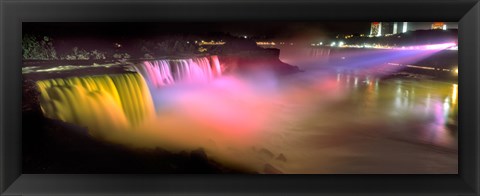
395	27
376	29
399	27
439	25
386	28
404	27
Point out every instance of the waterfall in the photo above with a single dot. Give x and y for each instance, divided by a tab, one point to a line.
106	102
120	101
170	71
319	52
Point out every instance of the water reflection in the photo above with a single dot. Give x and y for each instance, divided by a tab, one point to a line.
419	110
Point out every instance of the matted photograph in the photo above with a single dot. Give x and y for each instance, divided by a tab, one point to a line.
272	97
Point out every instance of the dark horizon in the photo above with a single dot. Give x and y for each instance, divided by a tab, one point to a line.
263	30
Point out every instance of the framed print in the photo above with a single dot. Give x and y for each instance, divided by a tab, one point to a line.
230	97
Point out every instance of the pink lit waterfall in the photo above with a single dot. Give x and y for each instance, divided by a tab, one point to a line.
170	71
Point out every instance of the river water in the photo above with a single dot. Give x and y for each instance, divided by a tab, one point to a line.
364	124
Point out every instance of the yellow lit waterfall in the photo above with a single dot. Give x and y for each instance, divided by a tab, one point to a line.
106	102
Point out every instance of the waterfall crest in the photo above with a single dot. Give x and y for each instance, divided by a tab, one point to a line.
170	71
319	52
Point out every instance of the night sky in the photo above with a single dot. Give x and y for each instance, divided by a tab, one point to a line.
307	31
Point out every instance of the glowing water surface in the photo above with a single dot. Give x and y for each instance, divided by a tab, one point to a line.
314	122
372	126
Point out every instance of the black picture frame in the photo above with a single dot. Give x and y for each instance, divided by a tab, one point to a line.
14	12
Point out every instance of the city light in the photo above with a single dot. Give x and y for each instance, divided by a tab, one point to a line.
443	46
212	42
266	43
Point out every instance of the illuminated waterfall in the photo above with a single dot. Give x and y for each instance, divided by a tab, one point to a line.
216	64
120	101
170	71
317	52
106	102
